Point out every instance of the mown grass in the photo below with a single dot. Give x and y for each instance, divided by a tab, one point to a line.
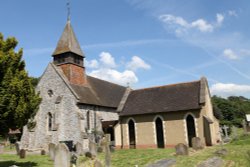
7	160
238	156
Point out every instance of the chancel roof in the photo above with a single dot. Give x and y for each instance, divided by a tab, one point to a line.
68	42
168	98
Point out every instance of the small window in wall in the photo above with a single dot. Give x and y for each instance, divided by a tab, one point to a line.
50	121
50	93
88	120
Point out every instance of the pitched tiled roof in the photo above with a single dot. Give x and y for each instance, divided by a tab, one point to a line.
168	98
68	42
99	92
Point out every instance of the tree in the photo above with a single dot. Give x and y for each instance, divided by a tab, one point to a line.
18	99
232	109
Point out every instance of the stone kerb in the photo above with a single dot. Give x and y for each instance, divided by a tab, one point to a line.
52	148
62	156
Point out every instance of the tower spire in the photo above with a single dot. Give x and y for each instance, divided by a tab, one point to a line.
68	8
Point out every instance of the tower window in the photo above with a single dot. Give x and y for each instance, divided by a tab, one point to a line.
76	59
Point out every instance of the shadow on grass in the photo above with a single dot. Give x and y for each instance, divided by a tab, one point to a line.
19	164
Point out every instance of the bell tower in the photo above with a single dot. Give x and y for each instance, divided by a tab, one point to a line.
69	56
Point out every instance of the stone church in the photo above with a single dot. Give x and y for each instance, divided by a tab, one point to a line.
76	107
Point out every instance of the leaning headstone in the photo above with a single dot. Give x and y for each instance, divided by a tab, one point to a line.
22	153
181	149
212	162
52	148
92	148
196	143
62	156
79	148
17	146
1	149
107	151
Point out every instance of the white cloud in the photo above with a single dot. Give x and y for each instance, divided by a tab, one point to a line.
137	63
106	69
181	25
123	78
107	60
232	13
230	54
220	19
92	64
230	89
202	25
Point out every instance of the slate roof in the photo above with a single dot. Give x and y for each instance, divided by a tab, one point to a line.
68	42
168	98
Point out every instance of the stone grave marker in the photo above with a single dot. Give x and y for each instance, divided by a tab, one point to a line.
234	133
17	146
225	129
22	153
107	151
52	148
79	148
92	148
97	164
196	143
244	125
212	162
1	148
181	149
62	156
43	152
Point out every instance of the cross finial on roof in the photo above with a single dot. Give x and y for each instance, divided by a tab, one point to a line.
68	7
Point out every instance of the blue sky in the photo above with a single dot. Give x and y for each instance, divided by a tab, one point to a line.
141	42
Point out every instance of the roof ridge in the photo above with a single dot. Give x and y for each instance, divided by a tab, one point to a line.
169	85
106	81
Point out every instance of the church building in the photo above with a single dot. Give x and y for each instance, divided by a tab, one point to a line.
77	108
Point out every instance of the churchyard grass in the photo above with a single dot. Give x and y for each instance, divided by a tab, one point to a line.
238	156
7	160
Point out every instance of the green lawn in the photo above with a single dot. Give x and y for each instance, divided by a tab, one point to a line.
237	156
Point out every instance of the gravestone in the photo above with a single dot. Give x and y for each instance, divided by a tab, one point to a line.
181	149
244	125
17	146
107	151
234	133
62	156
1	149
79	148
22	153
212	162
196	143
225	128
52	148
92	148
43	152
97	164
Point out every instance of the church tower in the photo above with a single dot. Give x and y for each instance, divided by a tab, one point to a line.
69	56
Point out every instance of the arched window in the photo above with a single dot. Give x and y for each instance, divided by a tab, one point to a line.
159	132
132	136
190	123
50	121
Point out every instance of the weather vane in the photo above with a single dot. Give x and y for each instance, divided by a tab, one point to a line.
68	6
